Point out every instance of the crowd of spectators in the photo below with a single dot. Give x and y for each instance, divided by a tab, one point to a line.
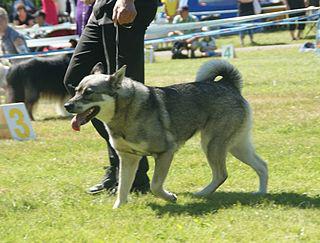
205	45
24	14
177	13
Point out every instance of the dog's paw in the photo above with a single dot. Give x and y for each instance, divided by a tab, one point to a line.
172	197
117	204
259	193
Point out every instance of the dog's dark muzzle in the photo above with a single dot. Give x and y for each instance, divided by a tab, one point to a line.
69	107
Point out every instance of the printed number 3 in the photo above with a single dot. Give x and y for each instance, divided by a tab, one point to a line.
22	130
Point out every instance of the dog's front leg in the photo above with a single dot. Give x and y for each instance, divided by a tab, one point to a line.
128	168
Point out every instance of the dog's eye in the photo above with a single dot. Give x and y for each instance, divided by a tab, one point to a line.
88	92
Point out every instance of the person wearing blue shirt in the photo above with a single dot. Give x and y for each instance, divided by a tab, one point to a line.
12	42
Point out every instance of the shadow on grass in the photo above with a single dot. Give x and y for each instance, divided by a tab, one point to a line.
225	200
52	118
268	44
310	37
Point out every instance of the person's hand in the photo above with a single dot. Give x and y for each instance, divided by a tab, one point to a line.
87	2
124	12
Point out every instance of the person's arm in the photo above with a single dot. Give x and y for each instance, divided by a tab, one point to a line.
124	12
213	44
176	20
20	45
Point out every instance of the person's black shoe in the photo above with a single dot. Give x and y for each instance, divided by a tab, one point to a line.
139	186
109	181
143	189
193	55
96	189
141	183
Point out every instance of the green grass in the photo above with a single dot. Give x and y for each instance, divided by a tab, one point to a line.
269	37
43	182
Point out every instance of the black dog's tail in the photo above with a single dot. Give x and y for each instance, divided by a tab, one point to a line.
212	69
15	86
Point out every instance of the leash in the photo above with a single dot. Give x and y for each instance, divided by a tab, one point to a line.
117	42
117	46
104	42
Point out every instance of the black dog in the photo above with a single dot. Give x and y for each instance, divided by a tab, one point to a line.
29	79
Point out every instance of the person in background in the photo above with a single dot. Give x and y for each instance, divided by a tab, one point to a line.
185	17
29	4
40	19
65	6
66	10
12	42
84	10
170	8
246	8
206	45
296	4
49	7
23	19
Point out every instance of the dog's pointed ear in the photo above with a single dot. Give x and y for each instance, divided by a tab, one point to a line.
121	72
98	69
118	76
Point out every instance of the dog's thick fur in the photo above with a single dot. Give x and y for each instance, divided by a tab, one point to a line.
39	76
3	82
3	73
156	121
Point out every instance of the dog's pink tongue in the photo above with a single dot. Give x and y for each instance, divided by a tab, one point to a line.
75	123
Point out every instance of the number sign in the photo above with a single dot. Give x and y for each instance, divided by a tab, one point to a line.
15	122
227	52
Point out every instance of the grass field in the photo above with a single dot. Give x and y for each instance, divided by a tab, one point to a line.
43	182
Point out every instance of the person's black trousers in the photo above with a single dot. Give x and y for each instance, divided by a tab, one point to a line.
90	50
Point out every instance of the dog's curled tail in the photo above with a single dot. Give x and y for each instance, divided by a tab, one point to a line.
212	69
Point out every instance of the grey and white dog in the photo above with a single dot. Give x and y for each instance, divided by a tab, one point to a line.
156	121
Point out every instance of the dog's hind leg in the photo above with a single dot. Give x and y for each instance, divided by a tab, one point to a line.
162	165
29	107
128	168
31	97
245	152
216	153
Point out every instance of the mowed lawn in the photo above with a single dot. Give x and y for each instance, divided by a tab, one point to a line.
43	182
